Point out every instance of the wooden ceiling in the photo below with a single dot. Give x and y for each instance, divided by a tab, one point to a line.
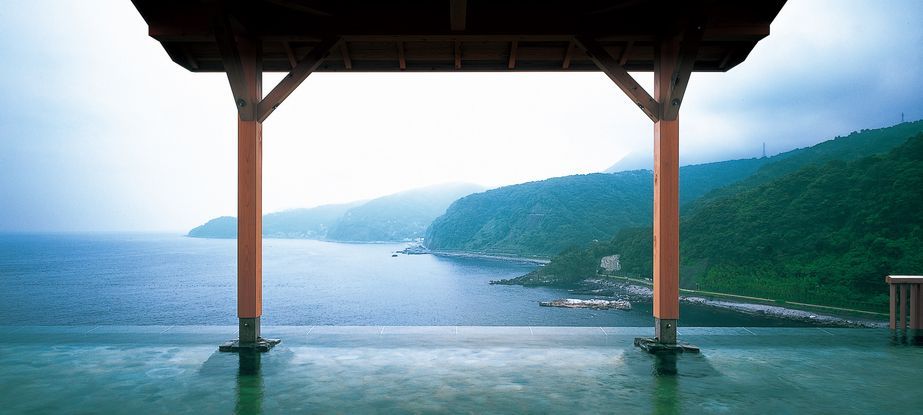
457	35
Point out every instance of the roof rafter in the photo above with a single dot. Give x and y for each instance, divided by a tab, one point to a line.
227	40
514	46
458	14
347	60
568	55
401	59
620	76
295	77
623	59
290	53
457	54
688	50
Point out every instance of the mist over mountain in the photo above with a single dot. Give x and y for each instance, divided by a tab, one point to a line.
398	217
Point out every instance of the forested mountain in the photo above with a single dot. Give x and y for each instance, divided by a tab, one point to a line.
851	147
545	217
542	218
398	217
825	233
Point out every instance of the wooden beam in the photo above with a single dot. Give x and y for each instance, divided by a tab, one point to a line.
291	54
457	54
300	6
190	59
514	45
298	74
666	203
400	56
227	42
623	58
620	76
688	51
347	60
458	14
726	59
568	55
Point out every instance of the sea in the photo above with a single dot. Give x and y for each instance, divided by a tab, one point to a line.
170	279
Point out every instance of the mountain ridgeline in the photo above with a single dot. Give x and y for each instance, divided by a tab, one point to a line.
820	225
540	219
398	217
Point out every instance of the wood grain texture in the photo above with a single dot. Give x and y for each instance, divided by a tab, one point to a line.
915	307
250	199
892	289
666	195
295	77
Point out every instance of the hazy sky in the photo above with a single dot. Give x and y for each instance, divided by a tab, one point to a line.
100	130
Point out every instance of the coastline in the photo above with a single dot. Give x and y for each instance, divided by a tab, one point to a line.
416	248
641	289
508	258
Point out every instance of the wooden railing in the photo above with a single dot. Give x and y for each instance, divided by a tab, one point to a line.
900	285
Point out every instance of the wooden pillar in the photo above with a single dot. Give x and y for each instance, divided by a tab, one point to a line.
666	201
919	314
250	195
902	300
915	307
892	291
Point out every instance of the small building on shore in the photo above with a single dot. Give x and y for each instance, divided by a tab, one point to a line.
610	263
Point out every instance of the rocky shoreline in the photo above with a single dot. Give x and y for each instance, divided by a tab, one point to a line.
635	292
595	304
417	249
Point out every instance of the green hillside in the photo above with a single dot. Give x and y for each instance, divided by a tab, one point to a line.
542	218
545	217
856	145
827	233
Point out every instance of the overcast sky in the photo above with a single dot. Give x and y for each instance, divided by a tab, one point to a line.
101	131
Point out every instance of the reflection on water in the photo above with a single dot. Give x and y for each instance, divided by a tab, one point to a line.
249	384
666	396
911	337
47	370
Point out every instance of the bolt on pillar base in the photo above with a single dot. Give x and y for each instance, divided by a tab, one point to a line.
249	339
664	340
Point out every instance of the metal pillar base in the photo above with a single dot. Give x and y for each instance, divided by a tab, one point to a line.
655	347
664	340
261	345
249	339
665	331
249	329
